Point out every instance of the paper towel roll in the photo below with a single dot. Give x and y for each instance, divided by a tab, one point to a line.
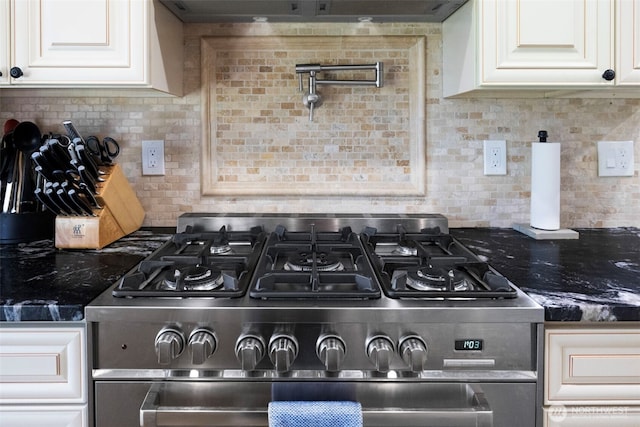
545	185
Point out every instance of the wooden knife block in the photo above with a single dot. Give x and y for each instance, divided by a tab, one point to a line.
121	214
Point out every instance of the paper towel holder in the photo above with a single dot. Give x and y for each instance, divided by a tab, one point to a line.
540	150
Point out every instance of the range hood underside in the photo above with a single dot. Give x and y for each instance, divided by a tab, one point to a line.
203	11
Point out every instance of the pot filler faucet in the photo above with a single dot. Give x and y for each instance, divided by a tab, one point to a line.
312	98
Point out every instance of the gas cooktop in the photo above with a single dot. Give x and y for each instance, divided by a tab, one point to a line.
305	257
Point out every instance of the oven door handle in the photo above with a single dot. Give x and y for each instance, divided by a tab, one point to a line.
154	412
478	415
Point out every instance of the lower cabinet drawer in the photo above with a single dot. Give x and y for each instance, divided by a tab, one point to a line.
599	366
50	416
591	416
43	365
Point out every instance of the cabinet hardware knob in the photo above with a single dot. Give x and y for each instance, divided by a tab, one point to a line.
16	72
609	75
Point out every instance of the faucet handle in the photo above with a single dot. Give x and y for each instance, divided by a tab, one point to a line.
311	100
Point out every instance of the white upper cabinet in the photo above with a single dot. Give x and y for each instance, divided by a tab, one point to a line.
5	31
552	45
628	42
95	43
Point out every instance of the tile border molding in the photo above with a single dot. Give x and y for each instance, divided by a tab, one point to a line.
391	164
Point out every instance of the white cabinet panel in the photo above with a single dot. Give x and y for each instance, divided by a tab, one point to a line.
80	41
546	42
43	365
592	366
628	43
561	416
93	43
38	416
543	48
5	31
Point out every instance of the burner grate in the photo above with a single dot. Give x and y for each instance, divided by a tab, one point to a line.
197	265
310	265
431	265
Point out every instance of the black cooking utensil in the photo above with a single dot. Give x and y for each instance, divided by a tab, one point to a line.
27	139
7	168
11	178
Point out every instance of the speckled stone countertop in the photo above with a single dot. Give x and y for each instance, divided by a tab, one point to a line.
41	283
594	278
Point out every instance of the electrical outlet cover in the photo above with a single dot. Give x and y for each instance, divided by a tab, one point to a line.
495	157
153	157
615	158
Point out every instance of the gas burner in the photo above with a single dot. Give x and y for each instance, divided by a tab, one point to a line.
304	261
220	249
193	278
437	279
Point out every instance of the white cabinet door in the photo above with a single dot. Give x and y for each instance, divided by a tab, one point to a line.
592	366
79	41
49	416
592	416
43	365
539	48
547	42
628	43
5	33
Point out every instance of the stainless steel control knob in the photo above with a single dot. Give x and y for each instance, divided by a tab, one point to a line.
202	344
249	351
283	350
331	351
413	351
169	345
380	352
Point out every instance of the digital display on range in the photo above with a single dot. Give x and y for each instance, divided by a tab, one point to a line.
469	344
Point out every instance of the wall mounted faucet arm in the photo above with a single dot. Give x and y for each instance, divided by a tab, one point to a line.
312	99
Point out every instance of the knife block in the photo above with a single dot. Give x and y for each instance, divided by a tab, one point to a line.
121	214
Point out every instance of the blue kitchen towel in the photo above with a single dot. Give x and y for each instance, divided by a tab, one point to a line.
315	414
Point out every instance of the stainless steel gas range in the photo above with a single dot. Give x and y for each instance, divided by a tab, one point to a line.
237	311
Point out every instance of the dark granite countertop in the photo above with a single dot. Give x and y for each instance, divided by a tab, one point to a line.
594	278
41	283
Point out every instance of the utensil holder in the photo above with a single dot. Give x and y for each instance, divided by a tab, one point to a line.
121	214
26	227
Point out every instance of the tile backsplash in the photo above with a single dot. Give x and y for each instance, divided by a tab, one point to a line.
455	128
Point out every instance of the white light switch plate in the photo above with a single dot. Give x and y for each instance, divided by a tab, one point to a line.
615	158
